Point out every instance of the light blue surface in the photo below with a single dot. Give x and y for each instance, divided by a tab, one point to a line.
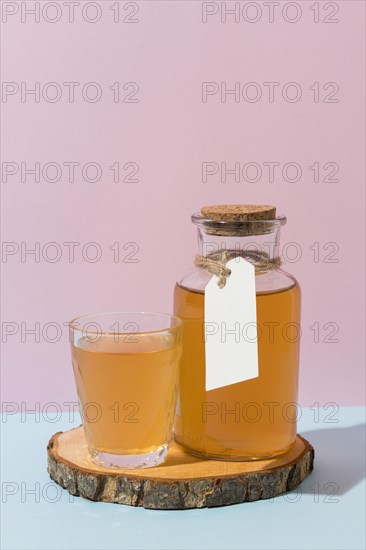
310	518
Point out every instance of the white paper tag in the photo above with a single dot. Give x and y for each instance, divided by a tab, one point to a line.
230	327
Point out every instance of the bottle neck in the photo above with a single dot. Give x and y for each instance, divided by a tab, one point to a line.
211	243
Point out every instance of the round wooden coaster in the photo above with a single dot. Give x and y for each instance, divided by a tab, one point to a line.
182	482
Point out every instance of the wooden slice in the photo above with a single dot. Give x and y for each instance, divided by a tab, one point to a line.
182	482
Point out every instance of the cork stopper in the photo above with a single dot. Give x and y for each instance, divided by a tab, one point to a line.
239	212
237	219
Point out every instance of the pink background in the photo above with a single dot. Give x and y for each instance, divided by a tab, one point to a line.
169	133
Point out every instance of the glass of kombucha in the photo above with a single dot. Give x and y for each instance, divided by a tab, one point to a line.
126	368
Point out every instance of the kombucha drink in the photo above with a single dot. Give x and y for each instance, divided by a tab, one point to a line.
252	419
127	391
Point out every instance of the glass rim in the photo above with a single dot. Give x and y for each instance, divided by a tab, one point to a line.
179	323
198	219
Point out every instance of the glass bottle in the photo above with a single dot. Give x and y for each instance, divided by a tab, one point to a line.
254	419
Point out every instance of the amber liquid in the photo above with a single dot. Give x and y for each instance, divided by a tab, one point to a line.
252	419
127	392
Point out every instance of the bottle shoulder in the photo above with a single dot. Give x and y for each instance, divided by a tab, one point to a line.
273	280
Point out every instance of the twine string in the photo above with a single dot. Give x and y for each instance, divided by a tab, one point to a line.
215	262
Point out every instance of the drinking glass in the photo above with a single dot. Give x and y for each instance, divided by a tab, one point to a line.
126	368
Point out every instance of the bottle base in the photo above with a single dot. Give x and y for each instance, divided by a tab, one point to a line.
235	458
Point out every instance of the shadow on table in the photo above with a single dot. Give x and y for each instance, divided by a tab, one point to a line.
339	460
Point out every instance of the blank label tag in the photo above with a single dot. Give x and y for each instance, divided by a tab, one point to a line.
230	327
